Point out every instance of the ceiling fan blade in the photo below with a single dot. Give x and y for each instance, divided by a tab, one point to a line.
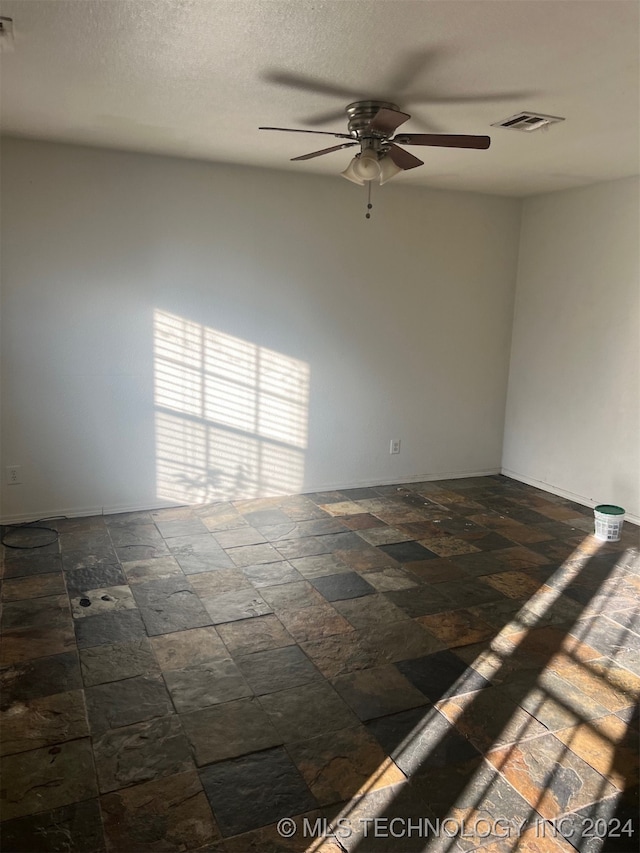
469	99
308	84
324	151
325	118
297	130
412	66
444	140
386	121
403	158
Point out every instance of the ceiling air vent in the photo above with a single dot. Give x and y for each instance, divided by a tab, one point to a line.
527	122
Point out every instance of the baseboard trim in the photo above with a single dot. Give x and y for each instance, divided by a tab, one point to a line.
86	511
418	478
562	493
325	487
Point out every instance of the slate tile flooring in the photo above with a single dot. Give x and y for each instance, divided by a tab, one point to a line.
184	679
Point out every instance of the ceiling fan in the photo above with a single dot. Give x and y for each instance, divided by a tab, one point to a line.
372	125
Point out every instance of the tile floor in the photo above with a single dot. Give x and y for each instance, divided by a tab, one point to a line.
441	666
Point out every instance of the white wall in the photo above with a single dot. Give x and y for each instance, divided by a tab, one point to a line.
573	409
403	321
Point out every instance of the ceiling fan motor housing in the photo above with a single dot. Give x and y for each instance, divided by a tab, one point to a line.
361	114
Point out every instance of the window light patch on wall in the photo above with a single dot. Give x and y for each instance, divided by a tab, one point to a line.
231	416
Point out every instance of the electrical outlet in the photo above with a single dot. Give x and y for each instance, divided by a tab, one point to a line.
13	475
394	445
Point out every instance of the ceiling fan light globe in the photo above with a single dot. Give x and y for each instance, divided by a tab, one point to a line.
388	169
350	174
366	166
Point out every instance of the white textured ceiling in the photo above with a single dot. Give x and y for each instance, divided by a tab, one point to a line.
195	78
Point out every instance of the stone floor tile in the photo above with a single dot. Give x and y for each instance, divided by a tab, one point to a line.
188	648
255	790
204	684
365	558
611	825
319	566
231	606
303	712
76	828
169	605
447	546
342	653
292	596
554	712
135	551
420	601
122	703
33	723
87	539
25	644
253	555
229	730
433	571
51	611
421	739
377	692
518	558
369	611
268	839
477	565
172	528
272	574
395	641
118	627
305	529
199	554
384	535
113	662
457	627
531	635
441	675
408	552
390	578
168	814
33	586
246	636
34	564
240	536
608	745
467	593
266	517
222	516
488	719
40	677
86	558
48	778
342	586
123	535
155	568
514	584
277	669
105	600
299	508
141	752
549	776
80	580
343	764
218	582
314	623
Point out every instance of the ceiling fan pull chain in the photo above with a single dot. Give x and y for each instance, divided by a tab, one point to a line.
369	205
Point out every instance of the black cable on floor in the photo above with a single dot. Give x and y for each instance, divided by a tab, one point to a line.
31	525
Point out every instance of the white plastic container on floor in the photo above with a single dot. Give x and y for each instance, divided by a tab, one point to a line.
609	521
